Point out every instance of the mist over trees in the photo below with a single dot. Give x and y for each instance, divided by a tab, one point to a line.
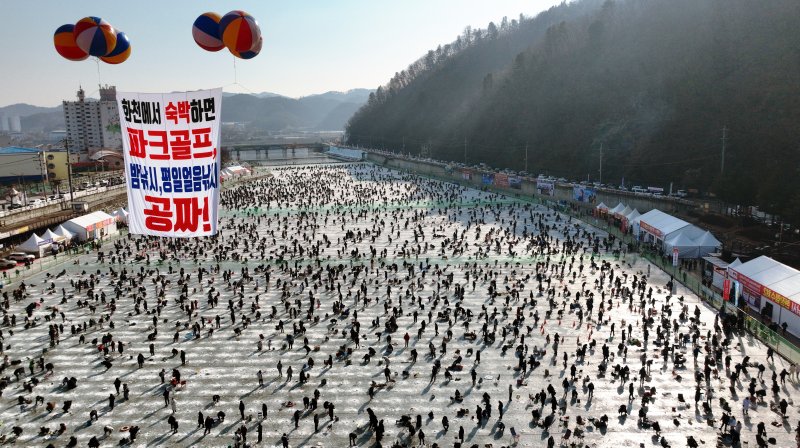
652	81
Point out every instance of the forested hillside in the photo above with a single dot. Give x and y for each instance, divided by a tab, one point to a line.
653	82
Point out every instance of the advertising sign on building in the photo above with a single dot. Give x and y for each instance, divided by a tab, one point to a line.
501	180
487	178
171	147
583	194
545	187
675	253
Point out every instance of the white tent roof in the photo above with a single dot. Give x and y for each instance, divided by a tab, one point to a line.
778	277
624	211
620	207
754	266
734	263
121	214
49	234
716	261
789	288
633	215
685	245
602	206
32	244
680	239
60	230
92	218
708	240
663	222
776	273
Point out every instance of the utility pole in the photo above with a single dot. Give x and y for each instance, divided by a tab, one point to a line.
601	164
526	158
724	140
465	150
69	172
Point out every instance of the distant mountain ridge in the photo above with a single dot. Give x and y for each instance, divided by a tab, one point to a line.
694	94
265	111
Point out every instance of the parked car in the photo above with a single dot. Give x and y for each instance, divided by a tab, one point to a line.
7	264
21	256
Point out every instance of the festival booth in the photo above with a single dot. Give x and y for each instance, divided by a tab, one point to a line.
601	210
707	243
687	247
662	230
620	207
58	241
61	231
233	172
35	245
121	215
92	226
715	270
625	225
771	288
625	211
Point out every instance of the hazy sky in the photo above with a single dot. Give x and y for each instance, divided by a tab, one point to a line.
310	46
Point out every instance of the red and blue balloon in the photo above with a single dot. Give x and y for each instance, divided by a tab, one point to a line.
92	36
237	31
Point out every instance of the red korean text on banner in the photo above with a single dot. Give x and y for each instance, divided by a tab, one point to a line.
172	161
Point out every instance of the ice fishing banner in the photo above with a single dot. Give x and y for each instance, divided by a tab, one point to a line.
172	158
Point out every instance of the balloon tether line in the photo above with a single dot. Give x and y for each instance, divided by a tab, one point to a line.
99	80
236	78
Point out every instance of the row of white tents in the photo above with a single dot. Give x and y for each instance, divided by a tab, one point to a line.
665	231
83	228
621	211
40	245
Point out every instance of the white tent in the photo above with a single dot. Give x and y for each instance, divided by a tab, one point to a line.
52	236
687	247
771	287
707	244
60	230
633	215
734	263
121	215
624	212
602	206
35	245
620	207
92	226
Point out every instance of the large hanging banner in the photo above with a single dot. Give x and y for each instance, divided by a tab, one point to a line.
172	157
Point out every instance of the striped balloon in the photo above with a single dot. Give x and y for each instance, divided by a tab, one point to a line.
205	32
250	54
64	41
121	51
239	31
95	36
